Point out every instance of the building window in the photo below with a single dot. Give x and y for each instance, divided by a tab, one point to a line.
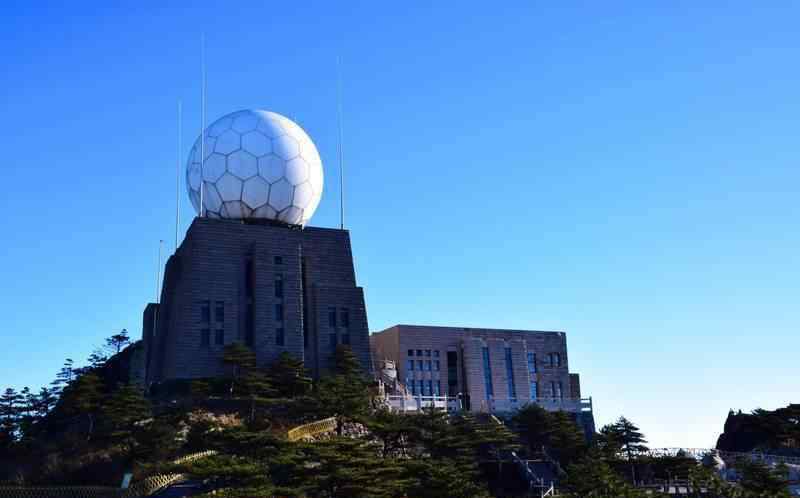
419	365
332	318
430	388
452	373
428	365
487	374
512	388
345	316
534	390
438	386
552	389
346	339
436	353
554	359
205	337
279	336
332	342
427	352
413	386
410	352
559	391
421	387
278	312
205	311
436	365
531	363
278	260
219	337
279	286
419	352
219	312
410	365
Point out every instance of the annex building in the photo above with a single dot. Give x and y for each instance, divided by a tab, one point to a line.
478	370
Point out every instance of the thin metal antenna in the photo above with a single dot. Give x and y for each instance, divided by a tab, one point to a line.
341	154
202	117
178	176
158	273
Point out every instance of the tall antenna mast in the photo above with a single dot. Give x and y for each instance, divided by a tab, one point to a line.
202	117
178	176
341	159
158	273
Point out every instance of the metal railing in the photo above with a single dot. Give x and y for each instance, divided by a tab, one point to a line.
312	429
411	403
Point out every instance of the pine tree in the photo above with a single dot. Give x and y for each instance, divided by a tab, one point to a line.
345	394
10	402
116	342
627	436
289	376
97	359
45	401
82	397
126	407
239	359
64	377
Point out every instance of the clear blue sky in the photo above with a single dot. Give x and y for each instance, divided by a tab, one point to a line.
627	174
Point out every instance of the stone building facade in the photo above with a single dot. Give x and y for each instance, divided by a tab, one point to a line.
489	370
272	287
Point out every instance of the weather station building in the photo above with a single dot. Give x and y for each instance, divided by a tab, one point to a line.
250	270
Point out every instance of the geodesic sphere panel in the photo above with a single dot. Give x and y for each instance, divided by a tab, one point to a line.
258	164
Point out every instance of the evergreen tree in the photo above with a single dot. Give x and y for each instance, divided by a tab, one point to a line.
116	342
554	432
625	433
591	477
45	401
82	398
345	394
64	377
126	407
10	402
759	480
239	359
289	376
97	359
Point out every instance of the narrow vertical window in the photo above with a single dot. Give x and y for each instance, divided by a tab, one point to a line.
279	336
332	342
534	390
512	388
345	315
413	386
205	337
560	390
410	365
279	286
427	352
430	388
346	339
452	373
279	312
552	389
332	318
419	365
436	353
205	311
278	260
531	362
438	387
421	387
487	374
410	352
428	365
219	337
219	312
436	365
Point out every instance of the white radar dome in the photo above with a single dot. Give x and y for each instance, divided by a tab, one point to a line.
258	165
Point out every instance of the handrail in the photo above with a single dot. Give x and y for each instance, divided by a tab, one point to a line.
312	429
